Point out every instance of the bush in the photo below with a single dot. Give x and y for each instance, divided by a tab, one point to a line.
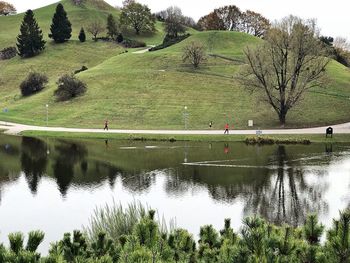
34	83
83	68
169	41
270	141
130	43
120	38
8	53
69	87
82	36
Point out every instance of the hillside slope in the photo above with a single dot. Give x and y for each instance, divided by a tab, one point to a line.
80	16
150	90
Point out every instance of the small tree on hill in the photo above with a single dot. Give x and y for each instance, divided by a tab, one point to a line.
137	16
194	53
69	87
82	36
34	83
30	40
95	28
112	28
61	28
6	9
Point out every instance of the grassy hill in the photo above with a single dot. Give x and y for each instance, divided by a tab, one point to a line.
150	90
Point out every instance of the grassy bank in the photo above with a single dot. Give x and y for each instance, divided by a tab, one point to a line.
313	138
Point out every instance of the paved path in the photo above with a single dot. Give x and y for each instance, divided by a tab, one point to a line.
15	129
143	50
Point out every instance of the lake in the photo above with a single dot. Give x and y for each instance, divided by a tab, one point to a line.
55	184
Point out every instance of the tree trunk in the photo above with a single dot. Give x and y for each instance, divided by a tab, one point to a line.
282	118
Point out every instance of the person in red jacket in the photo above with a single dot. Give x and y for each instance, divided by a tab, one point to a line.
226	129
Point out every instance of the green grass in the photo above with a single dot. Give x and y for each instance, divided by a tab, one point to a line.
150	90
314	138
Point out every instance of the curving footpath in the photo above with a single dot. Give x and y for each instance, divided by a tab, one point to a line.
16	129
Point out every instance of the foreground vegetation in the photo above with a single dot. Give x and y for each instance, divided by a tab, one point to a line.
134	235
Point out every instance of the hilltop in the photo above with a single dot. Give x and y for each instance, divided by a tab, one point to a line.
150	90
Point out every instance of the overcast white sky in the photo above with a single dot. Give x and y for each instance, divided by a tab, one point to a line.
332	16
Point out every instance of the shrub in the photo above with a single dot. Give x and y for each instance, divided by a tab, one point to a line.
8	53
269	141
194	53
169	41
82	36
69	87
34	83
130	43
120	38
83	68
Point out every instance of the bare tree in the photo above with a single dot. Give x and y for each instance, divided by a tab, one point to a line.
341	43
95	28
194	53
6	9
174	21
286	65
254	23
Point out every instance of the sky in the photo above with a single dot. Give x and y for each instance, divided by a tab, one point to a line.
332	16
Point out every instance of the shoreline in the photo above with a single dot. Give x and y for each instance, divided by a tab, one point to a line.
288	138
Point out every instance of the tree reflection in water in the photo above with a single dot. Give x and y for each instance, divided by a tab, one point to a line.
33	161
68	155
287	197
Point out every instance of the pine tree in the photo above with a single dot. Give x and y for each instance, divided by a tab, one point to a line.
30	40
112	28
82	36
61	28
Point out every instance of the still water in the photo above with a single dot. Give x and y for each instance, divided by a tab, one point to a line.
54	185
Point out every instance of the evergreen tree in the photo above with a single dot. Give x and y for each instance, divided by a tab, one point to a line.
30	40
112	28
61	28
82	36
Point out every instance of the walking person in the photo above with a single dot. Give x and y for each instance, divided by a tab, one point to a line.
106	125
210	124
226	129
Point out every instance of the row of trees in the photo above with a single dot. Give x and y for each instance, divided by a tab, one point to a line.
338	49
30	41
233	19
146	241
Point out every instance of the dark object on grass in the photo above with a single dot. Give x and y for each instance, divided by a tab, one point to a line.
329	131
83	68
82	35
34	83
8	53
120	38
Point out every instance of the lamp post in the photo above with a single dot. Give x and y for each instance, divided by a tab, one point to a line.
47	114
185	117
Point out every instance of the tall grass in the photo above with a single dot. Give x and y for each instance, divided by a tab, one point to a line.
114	220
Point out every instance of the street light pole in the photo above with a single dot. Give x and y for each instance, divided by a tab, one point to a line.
185	117
47	114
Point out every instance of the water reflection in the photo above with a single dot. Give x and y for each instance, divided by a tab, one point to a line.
281	183
33	161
